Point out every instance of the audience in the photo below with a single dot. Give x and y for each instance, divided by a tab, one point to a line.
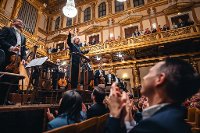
147	31
166	86
98	108
174	26
181	23
165	27
69	111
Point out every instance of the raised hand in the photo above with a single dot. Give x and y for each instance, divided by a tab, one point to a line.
50	116
116	102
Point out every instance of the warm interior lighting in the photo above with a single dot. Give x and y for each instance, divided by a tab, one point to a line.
125	76
98	58
69	9
121	0
111	35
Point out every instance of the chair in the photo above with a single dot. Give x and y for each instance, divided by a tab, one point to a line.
87	126
101	123
191	114
72	128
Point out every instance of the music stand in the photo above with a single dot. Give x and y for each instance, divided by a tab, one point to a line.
37	62
20	77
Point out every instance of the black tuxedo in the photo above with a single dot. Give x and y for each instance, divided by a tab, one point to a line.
75	62
97	76
96	109
7	39
169	119
107	79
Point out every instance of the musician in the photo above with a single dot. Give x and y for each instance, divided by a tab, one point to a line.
98	74
74	47
109	79
12	41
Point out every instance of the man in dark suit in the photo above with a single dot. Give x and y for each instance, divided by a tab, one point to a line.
166	86
97	75
109	79
74	47
12	41
98	108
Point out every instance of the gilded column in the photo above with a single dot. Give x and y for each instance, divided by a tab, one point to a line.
136	75
3	3
38	21
93	10
79	15
109	6
49	23
128	4
16	8
62	21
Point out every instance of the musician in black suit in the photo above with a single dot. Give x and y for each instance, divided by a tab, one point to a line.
97	75
12	41
74	47
109	79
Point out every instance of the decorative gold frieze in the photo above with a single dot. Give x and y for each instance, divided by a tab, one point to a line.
178	7
92	29
130	19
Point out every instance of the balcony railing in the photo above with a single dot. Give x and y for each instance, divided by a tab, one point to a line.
146	40
136	42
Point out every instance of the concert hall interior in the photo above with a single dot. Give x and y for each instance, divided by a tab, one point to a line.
94	66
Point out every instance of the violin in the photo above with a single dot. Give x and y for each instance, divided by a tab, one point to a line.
13	67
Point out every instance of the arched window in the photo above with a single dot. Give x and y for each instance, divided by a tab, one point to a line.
69	22
87	14
119	6
57	23
138	2
102	9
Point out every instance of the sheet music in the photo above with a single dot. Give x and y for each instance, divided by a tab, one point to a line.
37	62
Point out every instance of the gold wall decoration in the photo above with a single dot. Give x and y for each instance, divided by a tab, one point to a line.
178	7
92	29
130	20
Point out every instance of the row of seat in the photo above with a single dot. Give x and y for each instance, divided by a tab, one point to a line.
92	125
193	118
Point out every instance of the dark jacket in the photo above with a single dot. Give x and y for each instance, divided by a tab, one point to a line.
169	119
96	109
112	79
97	77
8	39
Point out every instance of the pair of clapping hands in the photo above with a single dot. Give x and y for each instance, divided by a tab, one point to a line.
119	104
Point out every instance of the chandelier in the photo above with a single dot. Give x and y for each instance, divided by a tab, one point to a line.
121	0
69	9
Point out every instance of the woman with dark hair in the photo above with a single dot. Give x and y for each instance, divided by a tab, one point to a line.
69	111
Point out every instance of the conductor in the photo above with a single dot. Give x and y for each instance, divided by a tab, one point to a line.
74	46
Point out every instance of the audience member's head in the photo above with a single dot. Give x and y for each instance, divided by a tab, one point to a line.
71	104
174	79
98	94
